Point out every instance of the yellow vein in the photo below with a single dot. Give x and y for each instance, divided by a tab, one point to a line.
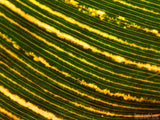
9	114
63	85
120	19
137	7
44	113
89	108
117	94
43	61
65	98
150	2
105	91
77	41
62	50
47	114
106	35
33	92
93	12
27	104
9	40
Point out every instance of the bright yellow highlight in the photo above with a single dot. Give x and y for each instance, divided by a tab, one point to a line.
43	61
153	31
118	58
47	114
133	6
73	2
93	12
117	94
101	112
29	105
48	28
9	40
60	96
76	41
38	86
106	35
60	49
66	74
67	87
120	19
38	59
9	114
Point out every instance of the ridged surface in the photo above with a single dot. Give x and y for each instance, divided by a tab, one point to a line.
79	59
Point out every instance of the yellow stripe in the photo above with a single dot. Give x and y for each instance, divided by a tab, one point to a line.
35	108
149	116
9	40
27	104
102	112
93	12
150	2
66	99
125	97
9	114
73	21
91	85
120	19
62	85
105	91
76	41
47	114
117	94
36	89
137	7
72	55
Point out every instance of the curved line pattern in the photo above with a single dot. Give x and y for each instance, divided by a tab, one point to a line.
78	59
9	114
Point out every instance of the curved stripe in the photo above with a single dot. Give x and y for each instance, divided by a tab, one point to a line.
76	41
36	58
137	7
117	94
66	64
9	114
91	85
126	97
34	94
47	114
120	19
72	55
76	91
106	35
29	105
85	107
